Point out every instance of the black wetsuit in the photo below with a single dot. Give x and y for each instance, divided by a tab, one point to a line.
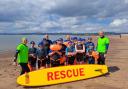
55	59
32	60
41	55
47	44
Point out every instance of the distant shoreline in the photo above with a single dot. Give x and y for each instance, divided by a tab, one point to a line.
85	34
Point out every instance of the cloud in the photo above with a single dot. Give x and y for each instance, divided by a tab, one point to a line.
89	8
119	22
63	15
126	1
119	25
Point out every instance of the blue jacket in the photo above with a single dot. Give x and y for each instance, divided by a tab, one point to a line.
70	49
89	46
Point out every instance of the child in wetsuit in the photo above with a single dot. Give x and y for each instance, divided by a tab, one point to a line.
62	50
47	42
80	50
32	55
41	55
70	53
55	58
89	49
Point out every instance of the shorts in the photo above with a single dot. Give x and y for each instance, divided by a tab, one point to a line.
41	62
91	60
79	57
24	68
55	63
32	61
101	59
71	60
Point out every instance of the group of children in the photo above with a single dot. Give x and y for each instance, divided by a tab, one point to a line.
73	51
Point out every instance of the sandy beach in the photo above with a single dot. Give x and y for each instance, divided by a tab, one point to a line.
117	61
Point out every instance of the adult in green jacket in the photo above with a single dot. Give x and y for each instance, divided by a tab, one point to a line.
102	47
22	56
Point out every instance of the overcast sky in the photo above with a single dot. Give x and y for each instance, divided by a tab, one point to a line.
63	15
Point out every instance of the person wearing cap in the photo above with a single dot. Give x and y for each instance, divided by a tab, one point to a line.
90	47
22	56
32	55
70	53
83	40
74	40
63	58
60	42
102	47
41	55
80	51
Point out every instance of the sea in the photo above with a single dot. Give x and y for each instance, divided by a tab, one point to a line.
9	42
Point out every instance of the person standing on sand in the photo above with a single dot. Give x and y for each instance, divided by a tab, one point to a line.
90	47
22	56
47	42
102	47
32	55
80	51
62	50
70	53
41	54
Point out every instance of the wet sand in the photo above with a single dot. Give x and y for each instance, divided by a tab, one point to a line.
117	60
